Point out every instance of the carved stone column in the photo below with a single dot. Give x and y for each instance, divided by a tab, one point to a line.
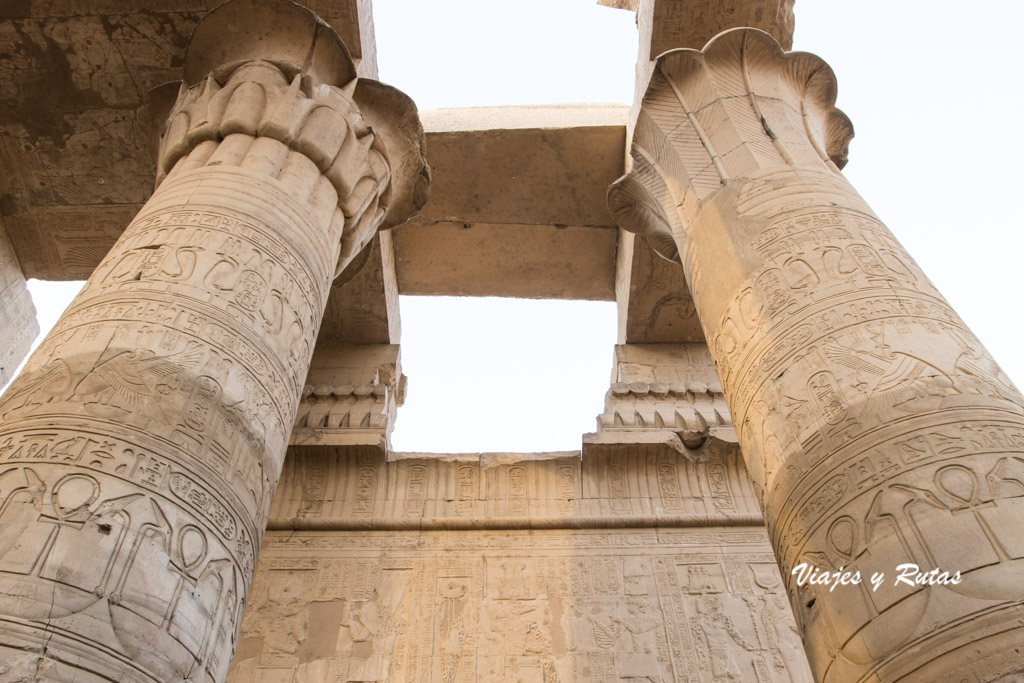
140	448
877	429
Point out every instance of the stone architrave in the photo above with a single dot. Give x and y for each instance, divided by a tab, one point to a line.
877	429
141	446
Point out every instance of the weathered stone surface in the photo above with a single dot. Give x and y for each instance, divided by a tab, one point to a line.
516	204
674	24
137	46
438	568
17	314
75	103
146	435
614	486
877	429
670	24
689	24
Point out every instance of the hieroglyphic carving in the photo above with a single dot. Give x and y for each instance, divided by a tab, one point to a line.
141	444
356	487
876	428
518	606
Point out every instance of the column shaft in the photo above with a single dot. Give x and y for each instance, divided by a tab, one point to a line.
877	429
140	448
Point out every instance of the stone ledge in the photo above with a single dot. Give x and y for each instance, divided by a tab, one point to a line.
625	484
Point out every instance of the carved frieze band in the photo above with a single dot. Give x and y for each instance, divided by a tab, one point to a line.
350	398
692	409
612	486
344	407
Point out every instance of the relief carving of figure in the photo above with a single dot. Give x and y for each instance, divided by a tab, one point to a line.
897	378
640	659
131	382
282	620
527	629
976	372
727	647
369	629
632	634
54	379
452	592
785	643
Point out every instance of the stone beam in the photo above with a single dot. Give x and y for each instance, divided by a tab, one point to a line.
516	206
145	437
75	141
876	428
538	223
17	313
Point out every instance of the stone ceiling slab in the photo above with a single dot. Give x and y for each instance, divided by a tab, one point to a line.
75	87
524	261
528	175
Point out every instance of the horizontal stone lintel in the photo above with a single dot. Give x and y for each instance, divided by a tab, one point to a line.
520	523
612	485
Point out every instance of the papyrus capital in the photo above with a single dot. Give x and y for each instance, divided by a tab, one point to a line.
276	72
739	107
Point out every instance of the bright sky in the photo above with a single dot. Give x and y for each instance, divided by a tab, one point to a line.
933	92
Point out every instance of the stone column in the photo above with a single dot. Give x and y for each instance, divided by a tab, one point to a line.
877	429
140	448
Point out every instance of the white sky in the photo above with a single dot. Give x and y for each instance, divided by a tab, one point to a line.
933	92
